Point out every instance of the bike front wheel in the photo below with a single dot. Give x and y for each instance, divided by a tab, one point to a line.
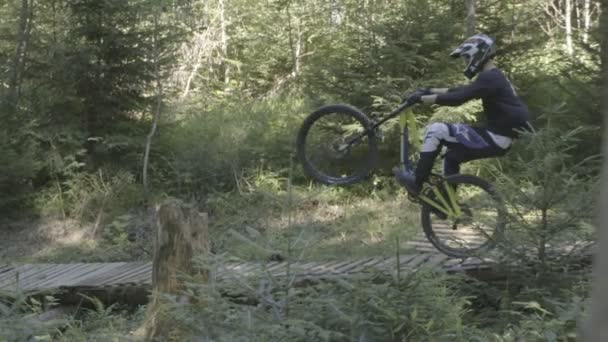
336	145
474	227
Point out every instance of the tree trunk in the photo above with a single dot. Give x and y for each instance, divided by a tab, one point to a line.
335	14
298	52
224	38
23	36
471	17
181	234
542	239
587	20
578	15
596	327
294	46
568	23
157	111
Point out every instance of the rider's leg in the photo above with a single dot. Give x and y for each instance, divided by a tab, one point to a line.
436	135
458	153
451	166
464	143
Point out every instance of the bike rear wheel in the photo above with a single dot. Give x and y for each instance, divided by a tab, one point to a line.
336	145
479	226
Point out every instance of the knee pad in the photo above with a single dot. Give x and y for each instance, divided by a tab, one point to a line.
435	133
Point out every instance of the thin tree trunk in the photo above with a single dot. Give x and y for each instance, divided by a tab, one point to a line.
23	35
587	20
568	23
542	241
224	38
157	113
26	44
298	51
335	14
471	17
577	11
191	76
292	45
157	110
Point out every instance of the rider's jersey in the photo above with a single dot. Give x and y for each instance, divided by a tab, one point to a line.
504	110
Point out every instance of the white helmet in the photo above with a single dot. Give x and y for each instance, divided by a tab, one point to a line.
477	49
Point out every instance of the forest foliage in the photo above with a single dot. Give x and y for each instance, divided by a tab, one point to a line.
82	80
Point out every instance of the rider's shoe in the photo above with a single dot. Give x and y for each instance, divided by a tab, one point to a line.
408	180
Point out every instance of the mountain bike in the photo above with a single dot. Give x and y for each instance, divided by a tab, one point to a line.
461	215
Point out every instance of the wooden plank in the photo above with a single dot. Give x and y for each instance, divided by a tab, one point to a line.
245	268
37	276
117	274
7	279
326	270
390	264
316	269
236	267
59	277
413	264
465	264
6	268
25	271
366	265
130	271
89	273
144	277
305	267
321	266
336	268
417	244
346	268
137	272
98	274
386	264
435	260
275	266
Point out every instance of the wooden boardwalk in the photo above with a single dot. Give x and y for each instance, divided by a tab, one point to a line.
28	278
121	276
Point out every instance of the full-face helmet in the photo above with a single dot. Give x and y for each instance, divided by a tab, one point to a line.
476	50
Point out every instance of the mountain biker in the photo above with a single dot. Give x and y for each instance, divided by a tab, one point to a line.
504	111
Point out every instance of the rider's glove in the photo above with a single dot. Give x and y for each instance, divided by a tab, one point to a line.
425	91
416	97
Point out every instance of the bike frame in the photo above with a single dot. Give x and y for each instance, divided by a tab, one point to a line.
449	206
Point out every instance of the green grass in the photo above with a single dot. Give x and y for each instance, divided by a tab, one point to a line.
321	222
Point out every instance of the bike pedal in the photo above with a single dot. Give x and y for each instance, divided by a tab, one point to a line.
413	199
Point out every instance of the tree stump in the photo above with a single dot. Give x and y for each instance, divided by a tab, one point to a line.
181	234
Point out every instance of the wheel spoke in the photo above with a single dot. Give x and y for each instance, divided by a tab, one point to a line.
336	148
475	229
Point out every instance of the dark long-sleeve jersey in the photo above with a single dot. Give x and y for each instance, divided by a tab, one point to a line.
505	112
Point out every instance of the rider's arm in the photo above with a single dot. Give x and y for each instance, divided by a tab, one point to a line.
438	91
481	87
